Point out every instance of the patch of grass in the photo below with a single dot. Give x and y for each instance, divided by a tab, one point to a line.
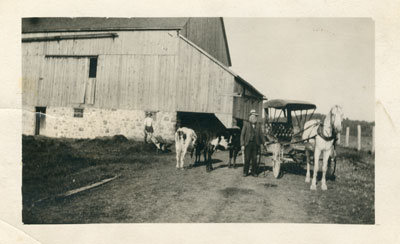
53	165
359	159
351	196
352	156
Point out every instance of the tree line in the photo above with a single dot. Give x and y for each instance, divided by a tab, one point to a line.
366	127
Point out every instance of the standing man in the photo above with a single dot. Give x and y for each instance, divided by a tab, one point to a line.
148	126
251	138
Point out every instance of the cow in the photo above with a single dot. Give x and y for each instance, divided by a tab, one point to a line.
200	147
185	138
233	145
207	143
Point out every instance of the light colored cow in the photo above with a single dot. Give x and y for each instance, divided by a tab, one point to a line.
185	138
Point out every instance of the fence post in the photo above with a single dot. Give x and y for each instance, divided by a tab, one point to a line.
358	137
373	139
347	136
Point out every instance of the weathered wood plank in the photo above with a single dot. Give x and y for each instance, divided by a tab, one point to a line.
162	87
155	75
172	80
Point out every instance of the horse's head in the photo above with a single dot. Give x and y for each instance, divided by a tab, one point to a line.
336	117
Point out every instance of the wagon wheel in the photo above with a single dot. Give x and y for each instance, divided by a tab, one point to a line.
276	169
277	160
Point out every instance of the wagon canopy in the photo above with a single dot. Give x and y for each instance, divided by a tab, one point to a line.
289	104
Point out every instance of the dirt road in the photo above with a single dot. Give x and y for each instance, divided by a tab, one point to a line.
156	192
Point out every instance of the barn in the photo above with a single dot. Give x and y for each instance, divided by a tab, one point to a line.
90	77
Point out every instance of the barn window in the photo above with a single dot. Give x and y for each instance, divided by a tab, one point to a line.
78	112
93	67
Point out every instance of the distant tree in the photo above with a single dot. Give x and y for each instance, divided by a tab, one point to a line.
366	127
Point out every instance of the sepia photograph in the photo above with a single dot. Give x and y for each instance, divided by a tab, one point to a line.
198	120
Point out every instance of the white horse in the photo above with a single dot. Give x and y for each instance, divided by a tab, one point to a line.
323	138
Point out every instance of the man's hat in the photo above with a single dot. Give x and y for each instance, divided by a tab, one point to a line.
253	111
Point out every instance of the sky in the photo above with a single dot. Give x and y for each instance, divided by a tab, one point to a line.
325	61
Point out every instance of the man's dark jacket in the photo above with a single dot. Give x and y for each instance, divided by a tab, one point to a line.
245	136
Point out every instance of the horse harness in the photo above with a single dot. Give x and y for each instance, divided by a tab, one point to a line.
333	137
320	132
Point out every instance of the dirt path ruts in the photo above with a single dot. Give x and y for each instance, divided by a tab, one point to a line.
225	196
158	193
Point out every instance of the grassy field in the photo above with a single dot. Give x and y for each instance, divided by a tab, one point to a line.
54	166
366	142
151	190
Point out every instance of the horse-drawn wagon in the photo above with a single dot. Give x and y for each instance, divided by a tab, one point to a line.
285	124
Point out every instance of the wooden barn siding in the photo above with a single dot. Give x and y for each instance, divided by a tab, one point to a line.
30	78
128	42
208	34
242	106
141	77
140	82
201	84
40	90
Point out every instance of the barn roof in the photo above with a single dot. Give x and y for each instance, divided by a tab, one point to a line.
32	25
62	24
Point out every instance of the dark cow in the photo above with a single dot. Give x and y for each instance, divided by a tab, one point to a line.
233	145
199	147
207	143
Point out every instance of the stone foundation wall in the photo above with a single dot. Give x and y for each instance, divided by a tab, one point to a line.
60	122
